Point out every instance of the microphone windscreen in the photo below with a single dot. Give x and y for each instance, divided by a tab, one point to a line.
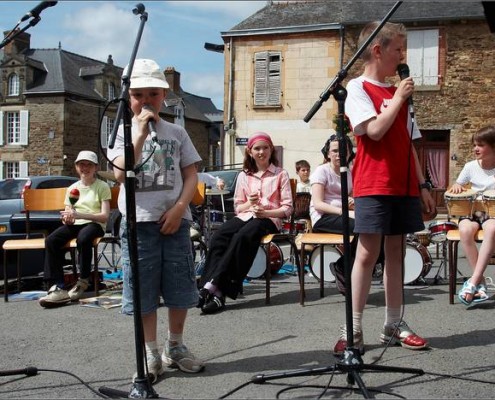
403	71
73	196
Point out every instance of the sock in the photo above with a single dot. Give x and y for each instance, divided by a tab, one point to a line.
210	287
174	339
392	315
151	347
357	321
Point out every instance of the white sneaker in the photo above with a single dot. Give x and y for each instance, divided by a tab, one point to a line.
180	357
155	366
55	297
78	289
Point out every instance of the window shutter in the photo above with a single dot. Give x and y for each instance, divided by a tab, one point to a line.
274	80
104	132
267	82
1	130
430	67
23	169
260	78
415	55
24	127
1	170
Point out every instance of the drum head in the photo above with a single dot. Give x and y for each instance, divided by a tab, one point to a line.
330	254
259	265
417	263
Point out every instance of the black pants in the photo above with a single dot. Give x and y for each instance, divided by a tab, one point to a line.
232	251
55	256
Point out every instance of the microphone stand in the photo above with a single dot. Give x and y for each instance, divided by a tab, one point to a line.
141	386
351	362
14	32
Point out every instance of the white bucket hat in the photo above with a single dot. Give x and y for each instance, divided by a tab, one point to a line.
146	74
87	156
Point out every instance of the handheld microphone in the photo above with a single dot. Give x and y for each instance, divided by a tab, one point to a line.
403	71
151	124
35	12
29	371
73	196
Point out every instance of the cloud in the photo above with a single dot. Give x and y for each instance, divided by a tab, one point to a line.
207	85
234	10
100	30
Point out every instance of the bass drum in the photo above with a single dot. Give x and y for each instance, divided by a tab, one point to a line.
258	267
330	254
417	262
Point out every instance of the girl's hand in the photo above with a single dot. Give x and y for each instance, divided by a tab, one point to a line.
254	198
456	188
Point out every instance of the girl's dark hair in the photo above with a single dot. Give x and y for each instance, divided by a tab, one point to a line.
485	135
334	138
249	165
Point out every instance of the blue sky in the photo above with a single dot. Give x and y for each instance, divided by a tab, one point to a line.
174	34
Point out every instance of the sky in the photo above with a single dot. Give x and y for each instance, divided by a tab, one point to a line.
174	34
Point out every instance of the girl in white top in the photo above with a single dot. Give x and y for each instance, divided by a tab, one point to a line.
481	174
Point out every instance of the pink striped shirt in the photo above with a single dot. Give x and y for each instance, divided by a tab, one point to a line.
274	190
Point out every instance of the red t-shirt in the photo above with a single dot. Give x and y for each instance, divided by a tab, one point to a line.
381	167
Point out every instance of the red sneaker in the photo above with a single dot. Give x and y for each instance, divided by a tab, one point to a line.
401	334
341	344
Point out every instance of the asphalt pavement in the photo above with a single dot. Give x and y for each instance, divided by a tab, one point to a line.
258	351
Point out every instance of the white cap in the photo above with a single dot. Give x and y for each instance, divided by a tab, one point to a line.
146	74
87	156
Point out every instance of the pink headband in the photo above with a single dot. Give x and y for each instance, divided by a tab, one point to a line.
259	136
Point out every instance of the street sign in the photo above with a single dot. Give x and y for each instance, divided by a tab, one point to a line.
241	141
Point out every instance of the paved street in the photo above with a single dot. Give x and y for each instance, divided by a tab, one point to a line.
250	338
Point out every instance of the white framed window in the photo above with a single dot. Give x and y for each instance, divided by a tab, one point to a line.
267	78
111	91
16	169
423	56
14	127
13	85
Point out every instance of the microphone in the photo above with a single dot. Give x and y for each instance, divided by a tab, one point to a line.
151	124
403	71
35	12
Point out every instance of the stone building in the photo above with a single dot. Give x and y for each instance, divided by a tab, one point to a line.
54	103
281	61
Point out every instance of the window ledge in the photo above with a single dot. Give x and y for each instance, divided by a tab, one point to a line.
429	88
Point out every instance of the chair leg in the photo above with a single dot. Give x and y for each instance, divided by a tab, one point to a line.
96	276
5	280
268	273
302	292
322	271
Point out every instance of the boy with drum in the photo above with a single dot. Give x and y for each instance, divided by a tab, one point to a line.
480	173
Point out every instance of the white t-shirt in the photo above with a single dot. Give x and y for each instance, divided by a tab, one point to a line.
480	179
159	181
326	176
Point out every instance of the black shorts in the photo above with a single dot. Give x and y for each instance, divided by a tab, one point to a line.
388	215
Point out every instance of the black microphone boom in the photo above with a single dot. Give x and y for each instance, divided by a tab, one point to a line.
35	12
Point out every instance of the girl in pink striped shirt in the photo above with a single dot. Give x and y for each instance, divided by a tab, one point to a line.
262	199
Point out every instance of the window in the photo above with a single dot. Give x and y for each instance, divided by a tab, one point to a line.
13	85
13	169
267	82
107	125
14	126
111	91
423	56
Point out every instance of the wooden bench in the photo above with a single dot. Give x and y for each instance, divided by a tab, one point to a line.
321	240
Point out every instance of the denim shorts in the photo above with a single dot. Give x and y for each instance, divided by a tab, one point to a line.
388	215
165	265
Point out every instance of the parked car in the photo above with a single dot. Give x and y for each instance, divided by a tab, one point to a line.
12	203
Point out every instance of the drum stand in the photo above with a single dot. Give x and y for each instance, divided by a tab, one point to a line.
351	362
440	280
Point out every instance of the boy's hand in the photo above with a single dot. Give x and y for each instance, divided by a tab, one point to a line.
406	88
170	221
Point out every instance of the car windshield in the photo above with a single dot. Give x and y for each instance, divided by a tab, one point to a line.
228	177
11	188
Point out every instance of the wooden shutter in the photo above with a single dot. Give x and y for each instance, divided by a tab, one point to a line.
267	82
104	132
23	169
422	56
24	131
1	131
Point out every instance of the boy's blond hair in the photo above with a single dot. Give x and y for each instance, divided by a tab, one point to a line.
383	38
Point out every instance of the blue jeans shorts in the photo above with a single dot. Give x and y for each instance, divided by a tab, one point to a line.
165	265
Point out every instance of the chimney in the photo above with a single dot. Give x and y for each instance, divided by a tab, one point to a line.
18	45
173	79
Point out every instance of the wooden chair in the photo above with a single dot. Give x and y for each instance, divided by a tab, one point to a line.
34	200
321	240
267	240
72	245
